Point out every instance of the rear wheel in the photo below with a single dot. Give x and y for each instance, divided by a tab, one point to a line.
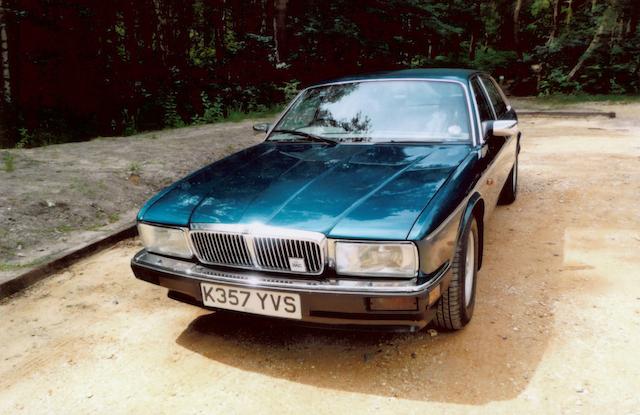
455	307
510	189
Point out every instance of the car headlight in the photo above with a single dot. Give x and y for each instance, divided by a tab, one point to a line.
161	240
377	259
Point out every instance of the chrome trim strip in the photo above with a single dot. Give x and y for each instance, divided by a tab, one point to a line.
486	94
465	87
480	137
193	271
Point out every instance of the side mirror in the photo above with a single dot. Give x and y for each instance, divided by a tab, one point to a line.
499	128
261	127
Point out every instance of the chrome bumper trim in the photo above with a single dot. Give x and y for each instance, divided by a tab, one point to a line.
188	269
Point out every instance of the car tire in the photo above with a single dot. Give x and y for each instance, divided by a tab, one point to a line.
510	189
455	307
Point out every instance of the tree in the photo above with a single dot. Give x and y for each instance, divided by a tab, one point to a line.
78	68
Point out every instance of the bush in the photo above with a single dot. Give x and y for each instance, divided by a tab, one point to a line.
171	117
488	59
25	138
556	81
8	162
290	89
212	112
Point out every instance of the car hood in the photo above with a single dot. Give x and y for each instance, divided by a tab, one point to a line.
345	191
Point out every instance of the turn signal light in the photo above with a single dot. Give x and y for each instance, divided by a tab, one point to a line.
434	295
393	304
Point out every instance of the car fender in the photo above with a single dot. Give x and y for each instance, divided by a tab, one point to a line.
474	208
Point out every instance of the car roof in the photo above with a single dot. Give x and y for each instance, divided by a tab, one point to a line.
454	74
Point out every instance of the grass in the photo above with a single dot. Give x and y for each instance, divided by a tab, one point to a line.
135	168
565	99
5	267
8	159
237	115
234	115
65	229
84	188
113	217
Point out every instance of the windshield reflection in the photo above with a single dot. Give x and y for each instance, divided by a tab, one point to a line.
380	111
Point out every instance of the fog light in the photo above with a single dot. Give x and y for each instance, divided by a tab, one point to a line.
393	304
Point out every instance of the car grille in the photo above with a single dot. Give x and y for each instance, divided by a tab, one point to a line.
274	254
221	248
258	252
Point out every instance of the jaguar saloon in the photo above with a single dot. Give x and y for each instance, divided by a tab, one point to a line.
364	207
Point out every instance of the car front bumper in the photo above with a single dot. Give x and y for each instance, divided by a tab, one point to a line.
338	303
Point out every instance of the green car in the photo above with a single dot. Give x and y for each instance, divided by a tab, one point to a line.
364	206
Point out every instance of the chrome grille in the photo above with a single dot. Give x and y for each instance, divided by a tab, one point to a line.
221	248
276	253
276	249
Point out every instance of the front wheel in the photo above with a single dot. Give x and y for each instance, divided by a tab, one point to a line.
455	308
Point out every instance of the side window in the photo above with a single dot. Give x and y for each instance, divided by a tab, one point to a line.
496	98
481	100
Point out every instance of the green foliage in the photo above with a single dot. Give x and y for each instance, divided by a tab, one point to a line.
290	89
488	59
7	267
539	6
212	112
145	62
171	117
418	61
237	114
130	124
25	138
8	162
134	168
557	81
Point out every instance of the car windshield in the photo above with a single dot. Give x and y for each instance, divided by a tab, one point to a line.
380	111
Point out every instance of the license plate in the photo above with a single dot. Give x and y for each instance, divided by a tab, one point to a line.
268	303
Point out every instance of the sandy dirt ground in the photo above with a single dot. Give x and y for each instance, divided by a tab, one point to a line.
556	326
62	196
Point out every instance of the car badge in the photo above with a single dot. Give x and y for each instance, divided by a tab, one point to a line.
297	264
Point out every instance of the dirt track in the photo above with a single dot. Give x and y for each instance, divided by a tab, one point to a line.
556	329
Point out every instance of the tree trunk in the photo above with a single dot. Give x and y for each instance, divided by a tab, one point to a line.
569	13
4	58
472	47
516	25
218	32
606	23
476	29
279	23
554	28
5	98
633	19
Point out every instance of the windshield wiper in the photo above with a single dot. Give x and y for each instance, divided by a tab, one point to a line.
308	136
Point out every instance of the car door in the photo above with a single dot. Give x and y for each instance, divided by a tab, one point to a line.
489	150
505	148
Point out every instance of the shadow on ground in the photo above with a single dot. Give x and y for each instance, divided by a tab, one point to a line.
492	359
